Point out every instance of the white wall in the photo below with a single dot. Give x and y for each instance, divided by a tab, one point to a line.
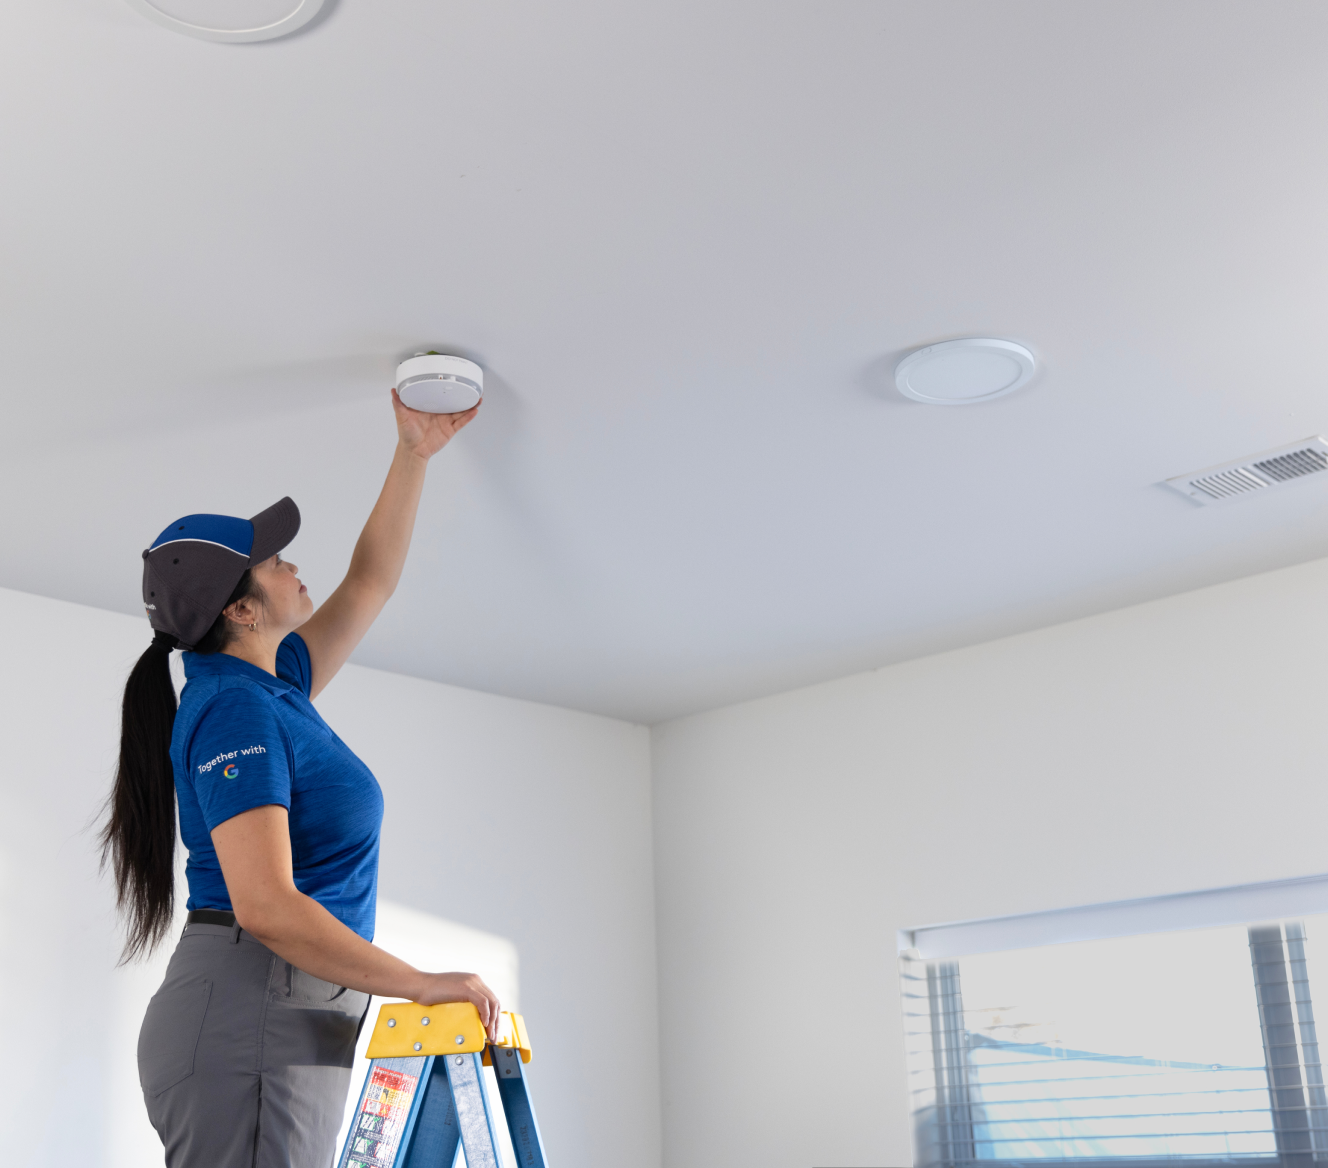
533	823
522	820
1171	746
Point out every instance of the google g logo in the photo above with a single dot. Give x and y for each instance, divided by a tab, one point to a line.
230	772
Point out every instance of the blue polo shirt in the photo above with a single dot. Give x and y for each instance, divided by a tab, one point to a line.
245	739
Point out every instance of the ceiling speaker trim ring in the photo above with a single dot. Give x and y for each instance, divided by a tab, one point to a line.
303	13
1021	354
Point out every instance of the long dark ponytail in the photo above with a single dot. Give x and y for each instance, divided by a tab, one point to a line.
138	840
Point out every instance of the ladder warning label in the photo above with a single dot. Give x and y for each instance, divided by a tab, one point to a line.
381	1118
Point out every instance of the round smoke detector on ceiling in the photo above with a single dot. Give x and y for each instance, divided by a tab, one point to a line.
439	384
236	21
959	373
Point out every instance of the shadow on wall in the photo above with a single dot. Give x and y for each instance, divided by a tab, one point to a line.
426	941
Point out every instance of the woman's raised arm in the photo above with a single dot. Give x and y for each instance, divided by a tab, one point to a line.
375	567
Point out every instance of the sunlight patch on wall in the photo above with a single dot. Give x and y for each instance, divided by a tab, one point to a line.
437	945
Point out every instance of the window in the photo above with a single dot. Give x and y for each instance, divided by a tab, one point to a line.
1192	1046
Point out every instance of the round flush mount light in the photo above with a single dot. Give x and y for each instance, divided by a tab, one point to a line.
959	373
439	384
236	21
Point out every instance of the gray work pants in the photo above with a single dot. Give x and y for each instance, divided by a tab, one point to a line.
245	1060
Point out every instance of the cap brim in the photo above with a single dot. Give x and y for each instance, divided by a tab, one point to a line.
274	529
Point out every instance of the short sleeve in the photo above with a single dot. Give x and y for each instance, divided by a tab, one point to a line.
293	664
238	756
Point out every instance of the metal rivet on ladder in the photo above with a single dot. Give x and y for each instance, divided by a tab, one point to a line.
424	1021
417	1046
461	1040
460	1060
391	1022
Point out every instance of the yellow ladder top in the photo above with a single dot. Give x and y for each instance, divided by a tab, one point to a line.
407	1029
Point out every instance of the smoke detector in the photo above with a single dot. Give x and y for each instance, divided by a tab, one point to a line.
961	373
236	21
1258	472
439	384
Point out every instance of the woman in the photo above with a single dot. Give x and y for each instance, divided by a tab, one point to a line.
245	1052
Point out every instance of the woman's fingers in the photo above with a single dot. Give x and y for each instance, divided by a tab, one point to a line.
469	987
427	433
487	1017
486	1002
489	1012
454	422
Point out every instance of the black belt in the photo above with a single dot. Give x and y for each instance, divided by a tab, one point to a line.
211	916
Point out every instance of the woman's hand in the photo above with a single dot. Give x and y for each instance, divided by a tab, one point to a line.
462	987
426	434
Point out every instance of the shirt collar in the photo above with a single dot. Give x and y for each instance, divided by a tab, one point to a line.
223	664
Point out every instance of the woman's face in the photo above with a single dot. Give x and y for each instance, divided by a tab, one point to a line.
288	602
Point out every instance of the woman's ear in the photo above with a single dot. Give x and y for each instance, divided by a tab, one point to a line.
242	612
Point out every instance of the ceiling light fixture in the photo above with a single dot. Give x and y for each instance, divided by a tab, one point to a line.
961	373
439	384
234	21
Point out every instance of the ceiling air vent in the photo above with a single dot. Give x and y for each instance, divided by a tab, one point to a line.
1272	468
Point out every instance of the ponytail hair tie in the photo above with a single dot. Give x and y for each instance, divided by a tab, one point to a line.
164	641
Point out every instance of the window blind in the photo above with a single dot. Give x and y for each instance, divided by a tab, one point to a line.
999	1071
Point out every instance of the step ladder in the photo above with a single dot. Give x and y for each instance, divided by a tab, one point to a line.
424	1095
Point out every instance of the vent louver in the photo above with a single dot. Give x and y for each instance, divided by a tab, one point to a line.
1273	468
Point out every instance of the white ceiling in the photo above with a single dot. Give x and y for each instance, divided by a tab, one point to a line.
687	242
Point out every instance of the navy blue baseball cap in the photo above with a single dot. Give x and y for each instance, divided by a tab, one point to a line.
193	567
